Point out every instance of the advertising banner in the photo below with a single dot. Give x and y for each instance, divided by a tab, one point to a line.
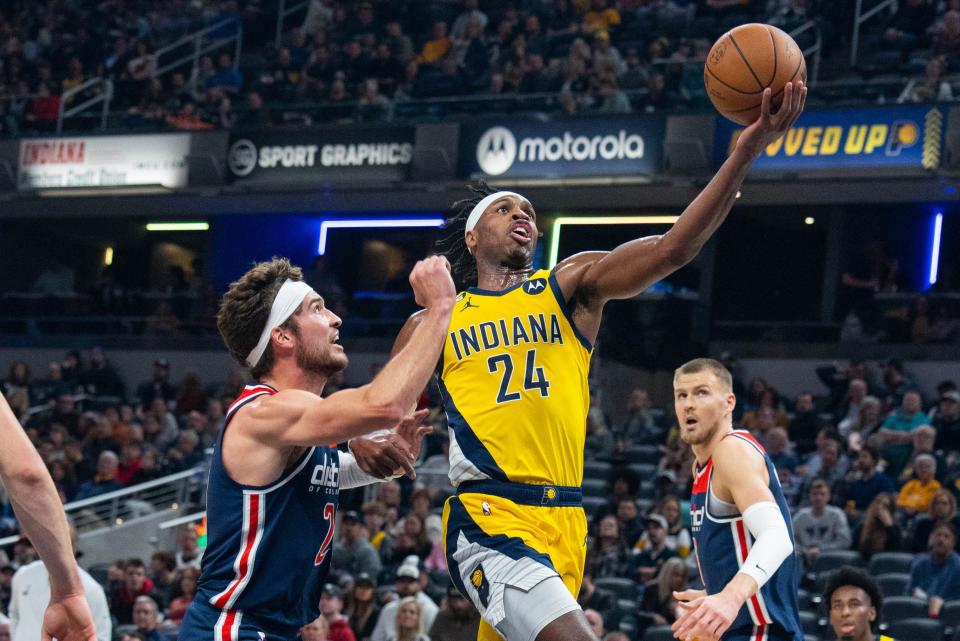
274	156
621	145
104	161
894	136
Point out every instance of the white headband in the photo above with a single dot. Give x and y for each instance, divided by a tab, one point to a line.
288	299
481	206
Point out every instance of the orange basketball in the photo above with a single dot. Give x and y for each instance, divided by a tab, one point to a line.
744	62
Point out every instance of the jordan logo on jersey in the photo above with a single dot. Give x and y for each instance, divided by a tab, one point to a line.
325	475
535	286
469	304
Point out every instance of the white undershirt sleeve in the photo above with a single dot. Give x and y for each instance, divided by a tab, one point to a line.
352	476
771	544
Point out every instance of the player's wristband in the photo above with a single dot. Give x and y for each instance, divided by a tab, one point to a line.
352	476
771	545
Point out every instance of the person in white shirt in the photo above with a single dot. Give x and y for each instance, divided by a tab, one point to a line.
30	594
38	508
407	584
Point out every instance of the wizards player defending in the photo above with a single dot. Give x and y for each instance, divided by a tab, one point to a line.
742	532
514	379
273	485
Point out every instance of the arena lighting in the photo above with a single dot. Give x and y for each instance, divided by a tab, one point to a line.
326	225
809	220
558	223
108	256
935	248
185	226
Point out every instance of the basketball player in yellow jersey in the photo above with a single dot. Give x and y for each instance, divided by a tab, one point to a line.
513	374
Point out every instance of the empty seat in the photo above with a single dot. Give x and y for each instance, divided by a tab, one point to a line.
896	608
622	588
833	559
893	583
915	629
596	470
809	622
658	633
887	562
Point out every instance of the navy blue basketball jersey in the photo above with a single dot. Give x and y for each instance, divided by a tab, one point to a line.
268	548
722	542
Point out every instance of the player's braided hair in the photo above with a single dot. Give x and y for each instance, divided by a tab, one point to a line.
452	245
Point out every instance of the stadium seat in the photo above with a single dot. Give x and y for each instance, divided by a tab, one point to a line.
643	454
950	618
622	588
591	504
833	559
810	637
887	562
596	470
594	487
893	583
646	471
914	629
810	622
658	633
896	608
804	599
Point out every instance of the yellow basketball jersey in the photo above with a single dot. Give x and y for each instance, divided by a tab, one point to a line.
514	383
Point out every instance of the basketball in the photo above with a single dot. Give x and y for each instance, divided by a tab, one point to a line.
744	62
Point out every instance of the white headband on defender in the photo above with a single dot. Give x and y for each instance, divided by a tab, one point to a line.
288	299
481	206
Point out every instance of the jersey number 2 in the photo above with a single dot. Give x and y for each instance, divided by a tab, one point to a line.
329	510
533	379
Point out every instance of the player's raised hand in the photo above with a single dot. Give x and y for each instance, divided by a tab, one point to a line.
770	126
412	430
704	618
392	453
68	618
432	283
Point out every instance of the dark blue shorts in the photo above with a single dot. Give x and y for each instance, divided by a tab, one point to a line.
203	622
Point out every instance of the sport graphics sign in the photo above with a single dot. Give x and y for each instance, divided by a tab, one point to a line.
104	161
367	153
895	136
563	148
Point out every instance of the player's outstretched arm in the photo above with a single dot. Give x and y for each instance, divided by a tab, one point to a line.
596	277
741	470
296	417
40	512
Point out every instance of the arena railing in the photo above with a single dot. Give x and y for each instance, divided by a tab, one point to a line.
198	44
107	511
859	17
102	90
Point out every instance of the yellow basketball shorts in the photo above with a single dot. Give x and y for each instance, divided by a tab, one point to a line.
500	534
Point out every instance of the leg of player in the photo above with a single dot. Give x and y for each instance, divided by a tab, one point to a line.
545	612
572	626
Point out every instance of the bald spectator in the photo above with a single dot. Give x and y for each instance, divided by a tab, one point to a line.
897	430
847	413
105	480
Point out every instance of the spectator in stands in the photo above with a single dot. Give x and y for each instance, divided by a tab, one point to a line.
146	618
947	421
18	379
436	48
105	480
828	463
186	589
131	460
186	454
907	28
352	552
869	420
777	446
601	17
411	540
596	622
407	584
188	549
658	598
865	481
631	525
946	38
924	438
591	597
143	64
401	47
609	555
639	425
897	430
611	100
158	386
942	510
878	531
374	517
316	630
101	378
624	483
389	494
820	527
44	108
846	414
163	573
918	493
678	537
362	608
599	440
931	87
456	620
935	575
655	553
409	621
331	609
854	600
373	106
838	379
471	13
805	424
135	584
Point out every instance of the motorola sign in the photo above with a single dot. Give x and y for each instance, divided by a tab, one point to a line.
563	148
286	156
